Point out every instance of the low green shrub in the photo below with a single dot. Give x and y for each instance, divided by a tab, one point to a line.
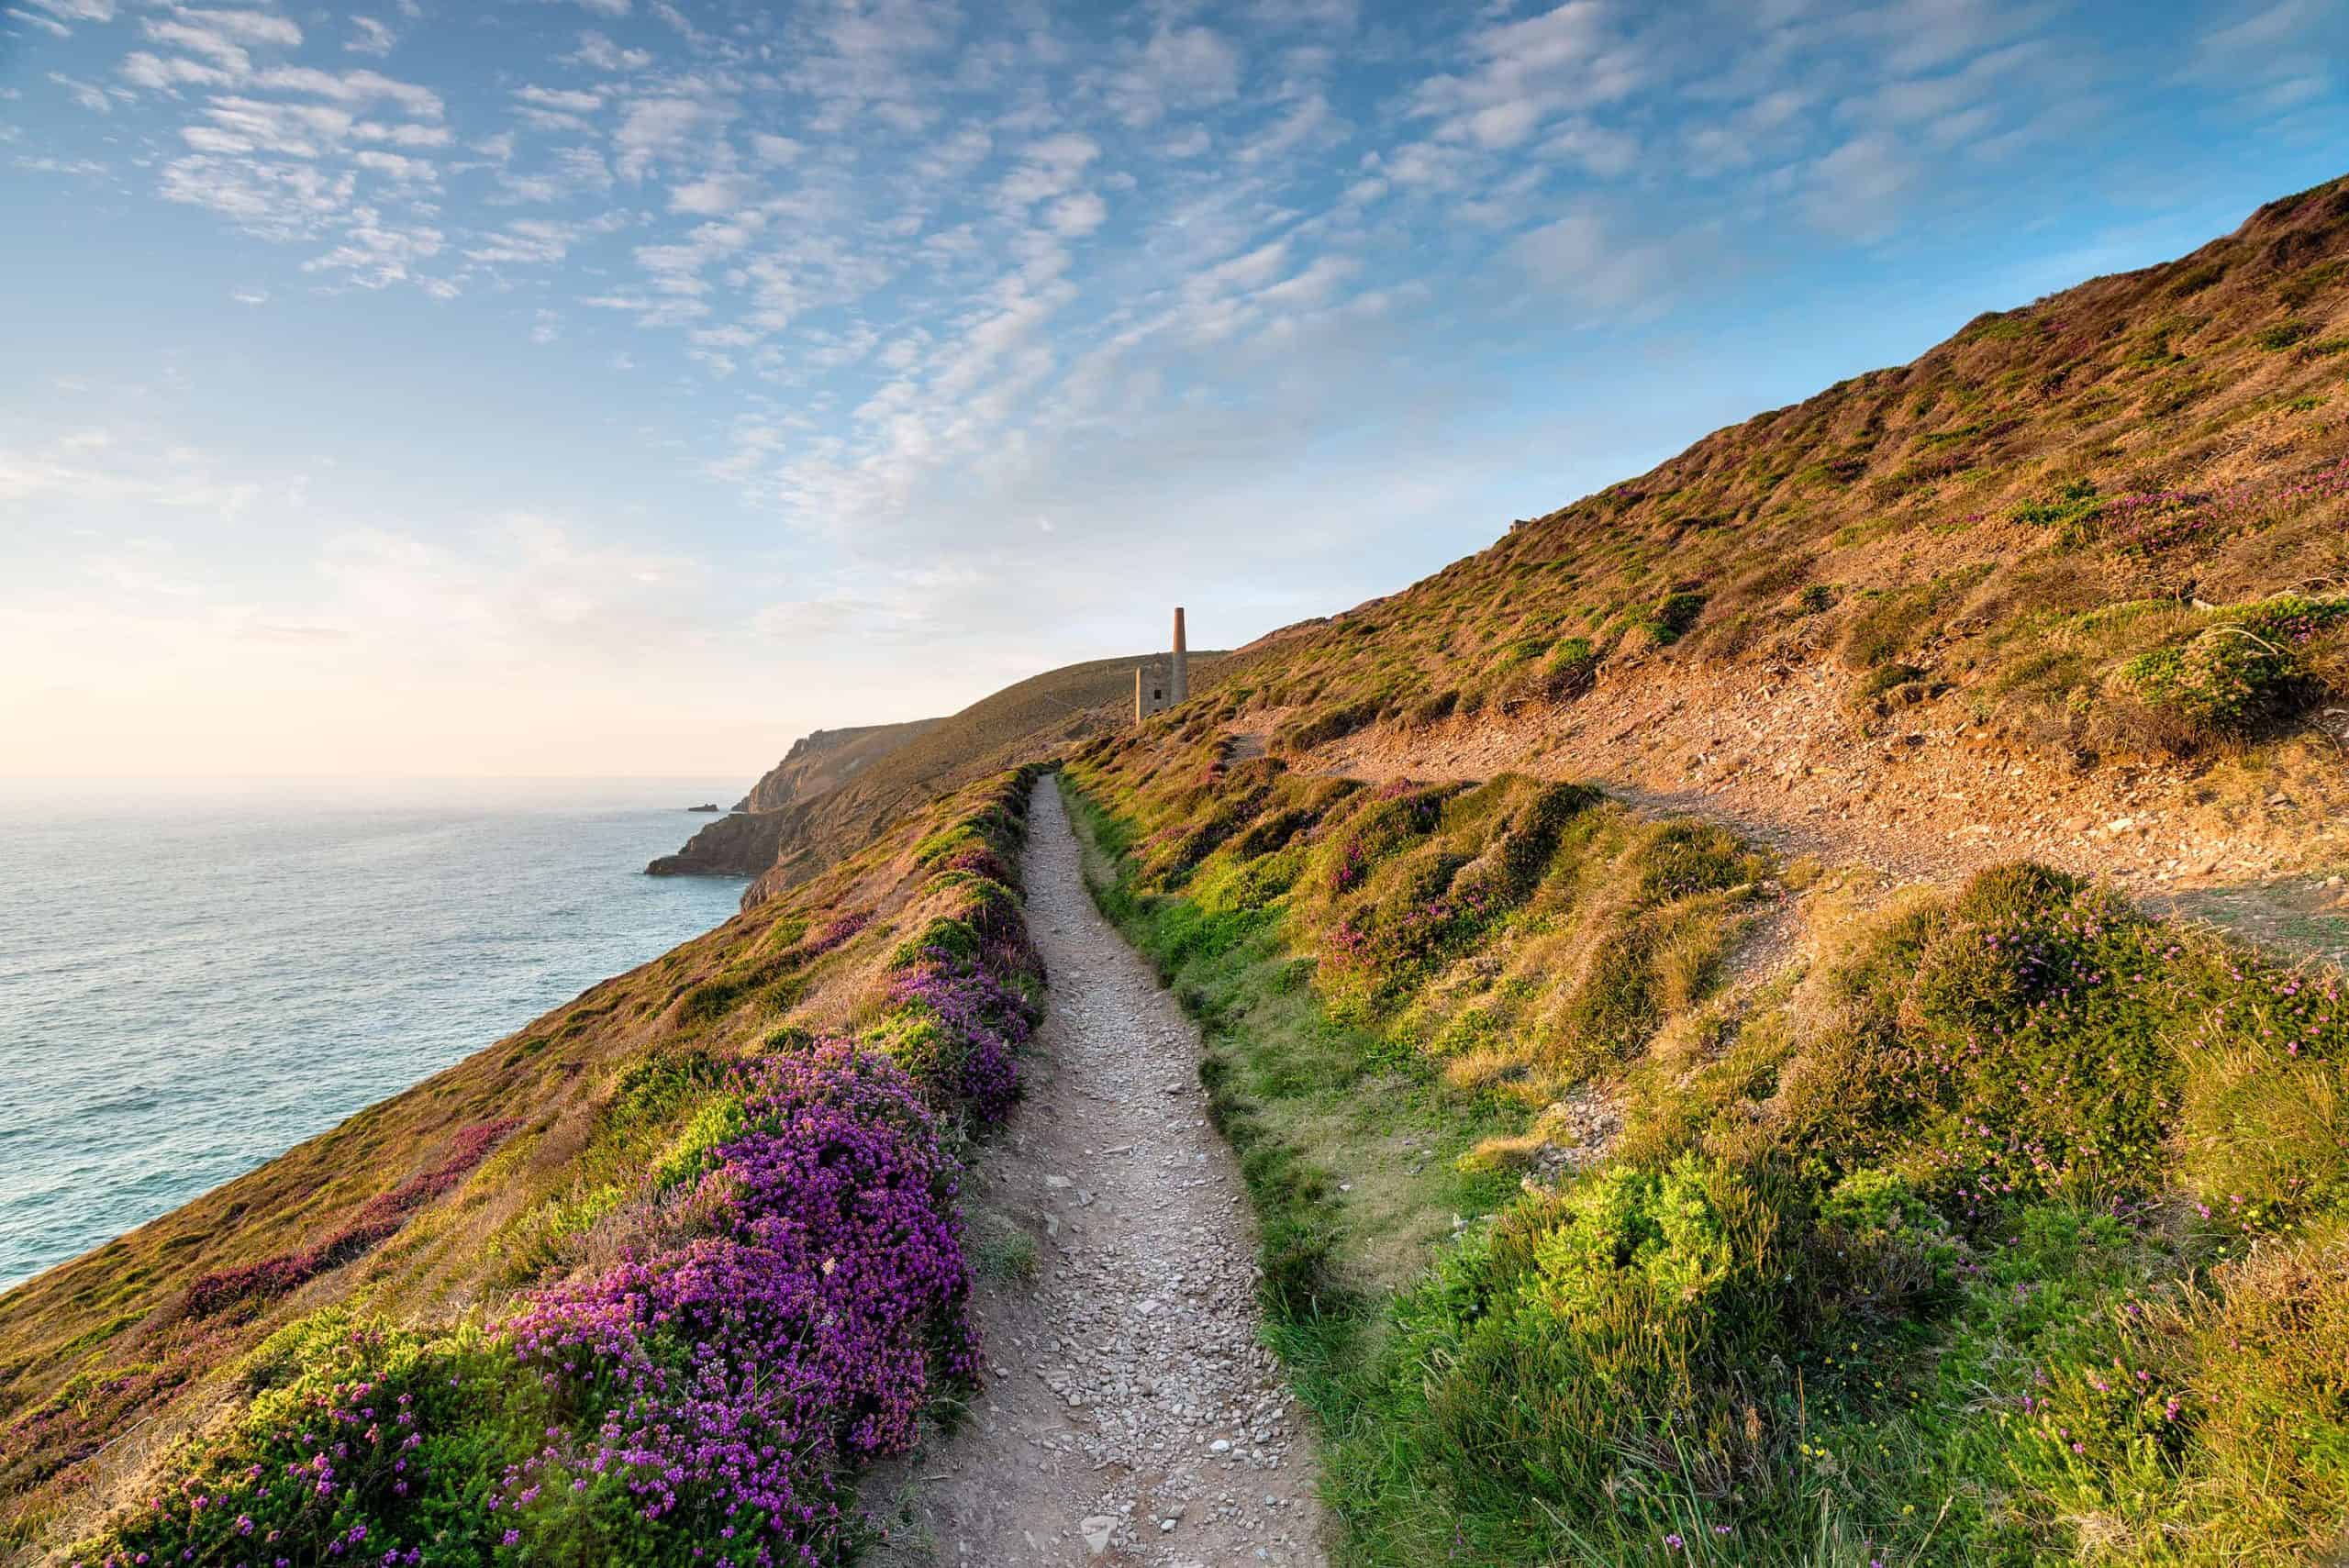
2248	668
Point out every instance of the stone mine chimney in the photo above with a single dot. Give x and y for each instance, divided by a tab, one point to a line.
1181	684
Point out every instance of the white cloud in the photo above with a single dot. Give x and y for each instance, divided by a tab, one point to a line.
248	124
1046	169
77	168
527	241
601	53
1524	72
568	99
87	95
373	254
655	130
247	26
277	201
1856	190
1178	68
397	166
354	87
224	53
1608	272
2278	56
1075	215
369	35
63	11
160	74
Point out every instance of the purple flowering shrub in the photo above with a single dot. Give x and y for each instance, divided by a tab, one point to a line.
699	1403
955	1025
836	933
978	860
962	997
716	1391
362	1443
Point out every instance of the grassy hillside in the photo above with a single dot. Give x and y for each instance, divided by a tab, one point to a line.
1022	723
1632	1192
822	760
2004	1226
1635	1192
2071	521
427	1315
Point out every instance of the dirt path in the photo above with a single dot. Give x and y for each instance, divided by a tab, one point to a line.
1924	794
1130	1415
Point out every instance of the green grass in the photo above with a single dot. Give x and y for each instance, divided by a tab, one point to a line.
2010	1232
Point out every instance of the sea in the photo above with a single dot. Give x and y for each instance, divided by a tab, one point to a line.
193	979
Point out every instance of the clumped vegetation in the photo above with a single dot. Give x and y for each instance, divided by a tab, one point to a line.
2009	1232
736	1271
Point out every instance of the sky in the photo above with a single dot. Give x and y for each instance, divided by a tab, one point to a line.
542	387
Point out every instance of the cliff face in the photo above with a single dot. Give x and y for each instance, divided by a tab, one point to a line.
1019	724
823	759
836	788
740	844
818	763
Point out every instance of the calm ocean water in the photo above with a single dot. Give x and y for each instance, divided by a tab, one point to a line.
189	989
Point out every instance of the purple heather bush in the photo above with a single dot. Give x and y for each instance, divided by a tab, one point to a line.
956	1025
837	933
730	1379
697	1404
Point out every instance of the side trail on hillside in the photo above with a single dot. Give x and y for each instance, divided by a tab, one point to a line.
1774	757
1131	1415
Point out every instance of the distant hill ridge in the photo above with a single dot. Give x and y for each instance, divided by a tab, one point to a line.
823	759
835	788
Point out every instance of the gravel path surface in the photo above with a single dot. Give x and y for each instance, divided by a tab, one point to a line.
1132	1416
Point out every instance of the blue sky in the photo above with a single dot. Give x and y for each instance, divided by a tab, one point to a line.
605	386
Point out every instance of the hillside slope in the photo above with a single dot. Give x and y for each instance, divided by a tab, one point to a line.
1806	1172
638	1145
2054	545
1632	1196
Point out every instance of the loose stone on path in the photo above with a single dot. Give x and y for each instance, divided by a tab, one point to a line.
1134	1417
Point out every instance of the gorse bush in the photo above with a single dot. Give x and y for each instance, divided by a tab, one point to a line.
1653	1234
